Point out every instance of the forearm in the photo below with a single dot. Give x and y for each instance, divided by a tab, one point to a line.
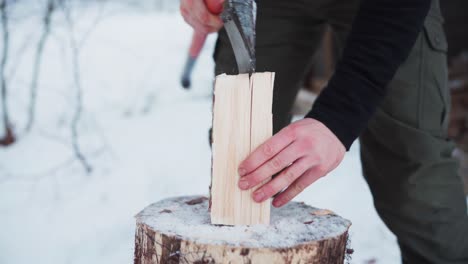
383	34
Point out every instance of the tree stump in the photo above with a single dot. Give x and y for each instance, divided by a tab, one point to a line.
178	230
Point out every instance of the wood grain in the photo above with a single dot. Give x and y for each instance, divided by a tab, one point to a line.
242	120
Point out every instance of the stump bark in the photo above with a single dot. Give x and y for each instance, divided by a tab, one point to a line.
178	230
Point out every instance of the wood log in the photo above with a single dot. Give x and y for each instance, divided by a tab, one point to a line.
178	230
242	120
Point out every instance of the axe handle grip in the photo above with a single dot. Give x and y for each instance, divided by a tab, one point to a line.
198	41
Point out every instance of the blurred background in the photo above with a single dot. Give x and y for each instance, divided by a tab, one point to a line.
94	126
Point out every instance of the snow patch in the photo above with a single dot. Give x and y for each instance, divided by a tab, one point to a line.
291	225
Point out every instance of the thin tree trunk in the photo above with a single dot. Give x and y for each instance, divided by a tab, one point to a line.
79	94
78	109
8	137
37	64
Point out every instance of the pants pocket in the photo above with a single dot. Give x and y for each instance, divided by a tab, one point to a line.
434	97
414	145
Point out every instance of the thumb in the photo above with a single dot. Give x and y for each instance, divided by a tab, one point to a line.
215	6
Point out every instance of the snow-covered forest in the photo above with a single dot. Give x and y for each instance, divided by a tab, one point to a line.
95	126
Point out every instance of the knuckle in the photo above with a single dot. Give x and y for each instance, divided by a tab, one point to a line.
205	30
276	163
321	170
291	131
249	165
267	149
309	141
314	159
187	20
289	175
186	4
301	132
268	190
304	148
297	188
301	167
183	12
289	195
254	179
205	18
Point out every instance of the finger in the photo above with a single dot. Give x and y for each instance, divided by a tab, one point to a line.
185	6
199	28
298	186
276	164
188	13
267	150
204	16
283	180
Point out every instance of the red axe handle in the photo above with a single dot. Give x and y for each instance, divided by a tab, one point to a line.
198	41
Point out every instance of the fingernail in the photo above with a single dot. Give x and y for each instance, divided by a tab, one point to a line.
243	184
258	196
242	172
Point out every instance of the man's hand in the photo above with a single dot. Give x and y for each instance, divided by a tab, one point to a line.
202	15
303	152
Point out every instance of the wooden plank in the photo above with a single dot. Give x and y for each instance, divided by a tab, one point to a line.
231	144
261	129
241	121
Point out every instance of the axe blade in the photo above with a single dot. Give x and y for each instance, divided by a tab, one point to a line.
239	22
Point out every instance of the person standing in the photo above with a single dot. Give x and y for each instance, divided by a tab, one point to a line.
389	90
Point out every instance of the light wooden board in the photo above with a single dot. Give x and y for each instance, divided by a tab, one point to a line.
242	120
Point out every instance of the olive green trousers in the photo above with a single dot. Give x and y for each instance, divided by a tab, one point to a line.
405	153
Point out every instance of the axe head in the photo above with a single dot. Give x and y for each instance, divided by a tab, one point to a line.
239	22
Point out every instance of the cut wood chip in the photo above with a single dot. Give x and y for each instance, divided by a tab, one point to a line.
322	212
242	120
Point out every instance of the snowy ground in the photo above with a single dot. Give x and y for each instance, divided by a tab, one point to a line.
145	137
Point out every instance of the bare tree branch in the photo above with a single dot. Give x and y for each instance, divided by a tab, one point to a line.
95	22
37	63
19	54
79	94
9	137
8	176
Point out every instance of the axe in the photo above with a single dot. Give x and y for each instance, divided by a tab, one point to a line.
239	22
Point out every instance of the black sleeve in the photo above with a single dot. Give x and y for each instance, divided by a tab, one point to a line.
383	34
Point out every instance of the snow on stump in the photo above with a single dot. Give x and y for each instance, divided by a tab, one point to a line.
178	230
